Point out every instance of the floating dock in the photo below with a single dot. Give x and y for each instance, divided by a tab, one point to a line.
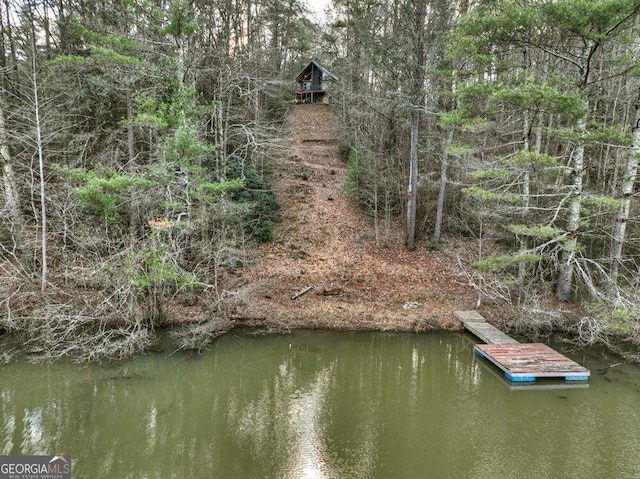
526	362
521	362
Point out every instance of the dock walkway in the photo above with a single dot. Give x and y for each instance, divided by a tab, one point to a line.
521	362
475	322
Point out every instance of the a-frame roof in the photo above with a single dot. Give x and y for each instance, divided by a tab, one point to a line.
326	73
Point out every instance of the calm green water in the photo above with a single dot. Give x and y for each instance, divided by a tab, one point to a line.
320	405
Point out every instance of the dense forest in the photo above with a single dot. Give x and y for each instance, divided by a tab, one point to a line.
137	140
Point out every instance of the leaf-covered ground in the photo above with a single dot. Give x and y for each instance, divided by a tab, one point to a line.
323	241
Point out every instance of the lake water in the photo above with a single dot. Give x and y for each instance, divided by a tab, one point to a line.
322	405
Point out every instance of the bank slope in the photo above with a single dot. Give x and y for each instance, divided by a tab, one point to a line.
322	241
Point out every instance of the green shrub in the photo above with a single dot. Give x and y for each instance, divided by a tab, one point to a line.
259	195
615	320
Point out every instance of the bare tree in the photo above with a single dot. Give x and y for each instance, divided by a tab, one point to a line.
40	150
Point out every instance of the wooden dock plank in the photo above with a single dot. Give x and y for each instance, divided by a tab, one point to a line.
489	333
475	323
468	316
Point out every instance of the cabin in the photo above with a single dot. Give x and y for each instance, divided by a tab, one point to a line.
313	83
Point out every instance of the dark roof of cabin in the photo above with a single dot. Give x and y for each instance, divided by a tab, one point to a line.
307	69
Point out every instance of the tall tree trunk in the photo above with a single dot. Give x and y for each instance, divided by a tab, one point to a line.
526	201
538	132
133	217
9	32
418	95
413	181
626	189
444	163
40	147
567	266
526	177
11	198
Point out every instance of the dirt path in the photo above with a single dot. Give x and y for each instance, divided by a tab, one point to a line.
324	242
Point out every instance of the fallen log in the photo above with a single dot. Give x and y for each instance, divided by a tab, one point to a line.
302	292
332	292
